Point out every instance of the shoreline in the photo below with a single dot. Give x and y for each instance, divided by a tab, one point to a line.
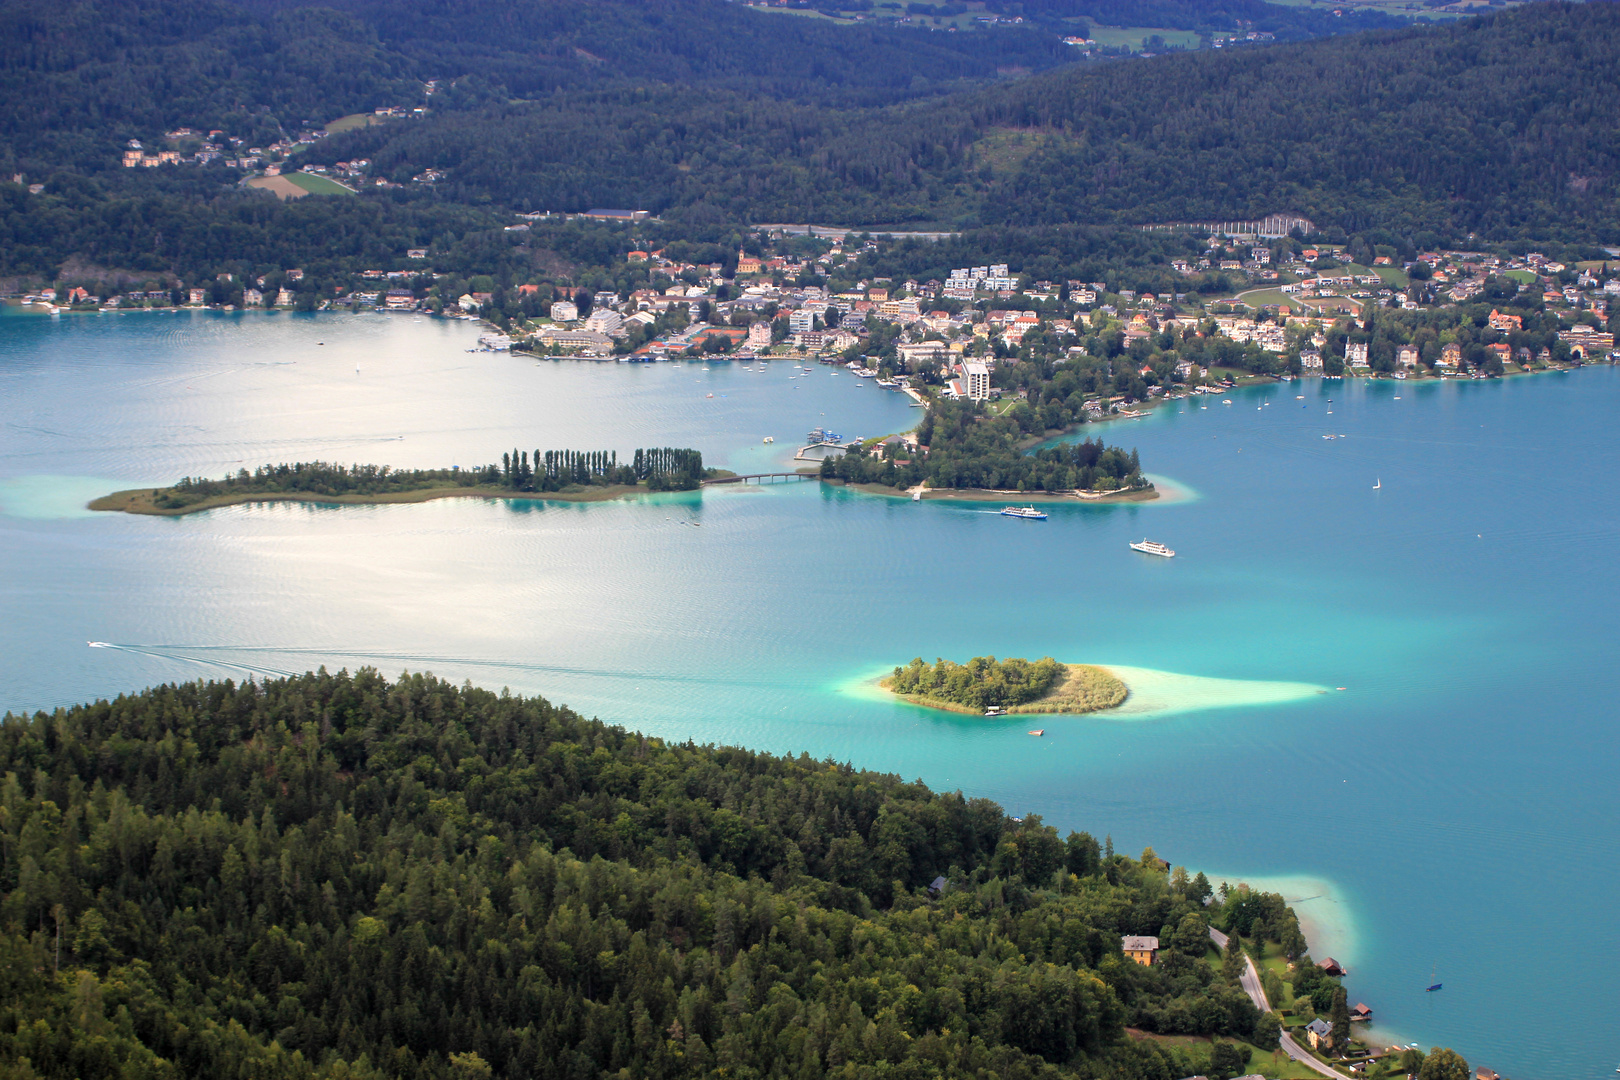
1140	495
1045	705
140	501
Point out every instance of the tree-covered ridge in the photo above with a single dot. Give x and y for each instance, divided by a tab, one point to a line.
1343	130
533	48
982	683
80	77
1204	15
1516	99
336	875
1492	124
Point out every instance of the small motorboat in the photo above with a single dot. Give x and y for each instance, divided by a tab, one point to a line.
1042	731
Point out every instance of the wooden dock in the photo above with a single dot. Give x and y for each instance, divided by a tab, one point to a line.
803	450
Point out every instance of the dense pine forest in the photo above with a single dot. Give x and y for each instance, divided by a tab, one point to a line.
343	876
79	78
714	116
1494	125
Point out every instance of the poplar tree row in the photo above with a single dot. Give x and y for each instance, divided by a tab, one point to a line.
662	468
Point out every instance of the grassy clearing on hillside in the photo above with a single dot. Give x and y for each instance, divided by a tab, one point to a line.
352	121
318	185
1132	36
809	13
1263	297
1005	149
282	187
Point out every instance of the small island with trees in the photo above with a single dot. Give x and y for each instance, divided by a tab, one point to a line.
575	475
985	685
970	453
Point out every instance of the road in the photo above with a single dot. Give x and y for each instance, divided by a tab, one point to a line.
1250	981
841	231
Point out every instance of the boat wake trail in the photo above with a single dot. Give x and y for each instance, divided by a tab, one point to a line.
240	658
163	653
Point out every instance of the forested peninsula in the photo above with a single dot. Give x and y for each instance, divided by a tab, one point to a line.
1013	685
336	875
559	474
969	448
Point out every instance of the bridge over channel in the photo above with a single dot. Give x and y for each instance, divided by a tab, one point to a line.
763	478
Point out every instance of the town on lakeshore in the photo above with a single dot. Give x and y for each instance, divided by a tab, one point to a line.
1259	302
999	360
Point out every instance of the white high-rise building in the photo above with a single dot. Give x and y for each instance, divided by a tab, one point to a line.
976	380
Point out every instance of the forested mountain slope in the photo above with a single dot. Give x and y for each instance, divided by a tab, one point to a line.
1286	21
1498	125
78	77
535	47
340	876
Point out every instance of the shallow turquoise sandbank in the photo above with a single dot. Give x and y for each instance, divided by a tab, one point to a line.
1152	693
1161	693
52	498
1170	491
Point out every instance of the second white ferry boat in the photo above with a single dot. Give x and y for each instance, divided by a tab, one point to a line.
1153	547
1028	513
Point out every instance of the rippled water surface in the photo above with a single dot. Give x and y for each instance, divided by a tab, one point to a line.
1453	808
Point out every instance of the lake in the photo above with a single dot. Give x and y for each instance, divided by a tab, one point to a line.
1453	809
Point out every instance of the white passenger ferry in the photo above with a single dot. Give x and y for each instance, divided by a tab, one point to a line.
1153	547
1028	513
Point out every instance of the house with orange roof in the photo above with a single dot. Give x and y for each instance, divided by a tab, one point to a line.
1505	323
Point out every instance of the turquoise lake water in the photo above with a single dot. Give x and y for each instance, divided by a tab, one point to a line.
1453	809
